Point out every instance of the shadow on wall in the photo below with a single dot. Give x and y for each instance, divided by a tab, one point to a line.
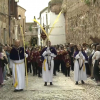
95	39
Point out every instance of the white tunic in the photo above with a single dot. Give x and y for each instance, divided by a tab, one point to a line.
93	60
96	55
79	74
20	68
48	74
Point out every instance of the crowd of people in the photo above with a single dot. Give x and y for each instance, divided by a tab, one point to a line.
83	59
5	71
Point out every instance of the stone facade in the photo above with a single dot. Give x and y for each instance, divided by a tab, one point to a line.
55	6
22	21
4	34
31	30
5	38
82	20
14	23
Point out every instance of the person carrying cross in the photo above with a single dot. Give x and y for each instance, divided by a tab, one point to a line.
48	54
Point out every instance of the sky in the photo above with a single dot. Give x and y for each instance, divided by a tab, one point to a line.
33	8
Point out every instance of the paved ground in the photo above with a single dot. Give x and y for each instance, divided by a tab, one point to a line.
64	88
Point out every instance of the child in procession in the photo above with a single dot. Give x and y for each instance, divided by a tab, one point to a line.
67	65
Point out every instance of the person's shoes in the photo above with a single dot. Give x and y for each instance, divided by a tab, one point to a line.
65	75
54	74
39	76
2	84
51	83
33	74
68	75
76	83
15	90
21	90
18	90
82	82
45	84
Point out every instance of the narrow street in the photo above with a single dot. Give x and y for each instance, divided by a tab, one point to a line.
50	34
64	88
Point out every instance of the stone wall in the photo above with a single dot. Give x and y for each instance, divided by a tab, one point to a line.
22	21
31	31
4	24
4	34
82	20
55	6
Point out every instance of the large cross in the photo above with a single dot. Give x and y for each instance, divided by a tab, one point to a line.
47	26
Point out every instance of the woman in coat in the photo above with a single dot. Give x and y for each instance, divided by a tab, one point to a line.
2	59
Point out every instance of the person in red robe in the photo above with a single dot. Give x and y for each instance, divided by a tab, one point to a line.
63	53
59	58
67	62
34	64
39	64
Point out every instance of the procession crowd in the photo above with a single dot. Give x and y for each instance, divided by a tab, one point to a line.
82	59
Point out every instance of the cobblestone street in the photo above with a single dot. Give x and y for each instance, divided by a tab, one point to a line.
64	88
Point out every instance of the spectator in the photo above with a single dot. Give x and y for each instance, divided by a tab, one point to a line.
2	62
96	71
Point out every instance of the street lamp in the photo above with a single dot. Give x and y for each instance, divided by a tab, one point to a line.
19	17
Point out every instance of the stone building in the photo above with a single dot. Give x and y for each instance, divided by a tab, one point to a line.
57	35
4	22
13	19
21	21
31	31
8	19
82	20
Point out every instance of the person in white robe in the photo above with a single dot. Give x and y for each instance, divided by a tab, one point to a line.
96	70
17	56
79	66
48	55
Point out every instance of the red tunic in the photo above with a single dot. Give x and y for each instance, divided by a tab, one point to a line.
37	55
67	62
33	56
63	53
39	61
57	56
